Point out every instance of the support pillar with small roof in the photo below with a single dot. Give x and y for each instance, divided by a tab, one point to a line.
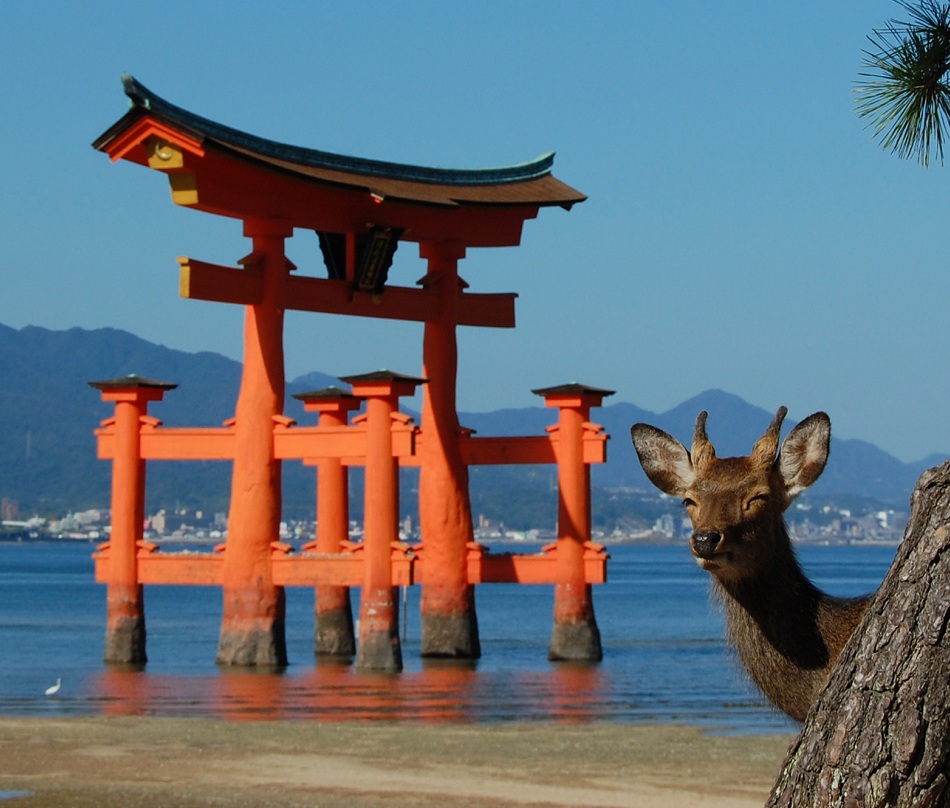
575	635
125	599
379	646
333	611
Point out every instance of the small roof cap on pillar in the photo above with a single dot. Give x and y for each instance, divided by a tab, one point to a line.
132	381
382	376
383	383
573	389
330	399
330	392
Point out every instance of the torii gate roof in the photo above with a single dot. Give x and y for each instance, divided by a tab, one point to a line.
221	170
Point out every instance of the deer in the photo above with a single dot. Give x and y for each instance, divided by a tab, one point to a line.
787	632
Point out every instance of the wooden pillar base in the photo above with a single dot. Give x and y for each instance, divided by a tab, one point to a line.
125	642
576	637
379	648
451	634
576	642
333	635
253	647
125	625
380	651
249	637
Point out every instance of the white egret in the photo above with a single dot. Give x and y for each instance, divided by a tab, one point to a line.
54	689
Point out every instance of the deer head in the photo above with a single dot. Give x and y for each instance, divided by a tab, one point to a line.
736	503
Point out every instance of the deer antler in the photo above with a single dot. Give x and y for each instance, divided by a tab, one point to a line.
765	448
703	452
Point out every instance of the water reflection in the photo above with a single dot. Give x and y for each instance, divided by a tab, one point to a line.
442	691
577	690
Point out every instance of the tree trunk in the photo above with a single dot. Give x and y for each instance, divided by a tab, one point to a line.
879	735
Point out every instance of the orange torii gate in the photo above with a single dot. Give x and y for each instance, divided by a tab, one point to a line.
360	209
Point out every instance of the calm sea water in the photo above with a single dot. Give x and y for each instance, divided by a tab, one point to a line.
664	654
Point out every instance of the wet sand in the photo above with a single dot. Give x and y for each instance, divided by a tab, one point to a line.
106	762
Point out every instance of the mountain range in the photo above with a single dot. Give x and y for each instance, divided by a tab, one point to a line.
48	413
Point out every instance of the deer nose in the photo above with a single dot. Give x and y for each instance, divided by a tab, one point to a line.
704	544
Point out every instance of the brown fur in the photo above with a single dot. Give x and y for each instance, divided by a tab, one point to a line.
787	632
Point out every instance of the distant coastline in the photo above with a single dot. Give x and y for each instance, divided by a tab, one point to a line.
534	544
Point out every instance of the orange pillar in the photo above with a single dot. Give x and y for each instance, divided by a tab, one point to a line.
333	633
379	647
575	635
449	622
252	623
125	603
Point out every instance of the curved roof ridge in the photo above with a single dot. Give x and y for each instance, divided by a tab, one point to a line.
142	98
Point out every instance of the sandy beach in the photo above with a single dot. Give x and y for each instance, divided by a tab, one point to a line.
189	763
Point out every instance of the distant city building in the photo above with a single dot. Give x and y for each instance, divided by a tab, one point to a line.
9	510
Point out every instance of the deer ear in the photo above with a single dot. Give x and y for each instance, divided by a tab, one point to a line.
664	459
804	453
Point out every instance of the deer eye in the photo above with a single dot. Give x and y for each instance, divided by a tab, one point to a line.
758	499
689	503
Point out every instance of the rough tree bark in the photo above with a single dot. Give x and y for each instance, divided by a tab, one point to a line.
879	735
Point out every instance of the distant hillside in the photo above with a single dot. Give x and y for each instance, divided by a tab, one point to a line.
48	413
855	468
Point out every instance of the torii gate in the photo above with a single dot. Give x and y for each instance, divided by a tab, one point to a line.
360	209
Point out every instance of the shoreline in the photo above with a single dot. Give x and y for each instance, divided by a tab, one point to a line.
201	762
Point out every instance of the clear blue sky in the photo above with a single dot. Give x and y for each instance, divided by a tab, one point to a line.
743	230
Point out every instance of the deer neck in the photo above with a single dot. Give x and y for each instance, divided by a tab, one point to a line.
774	621
780	607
